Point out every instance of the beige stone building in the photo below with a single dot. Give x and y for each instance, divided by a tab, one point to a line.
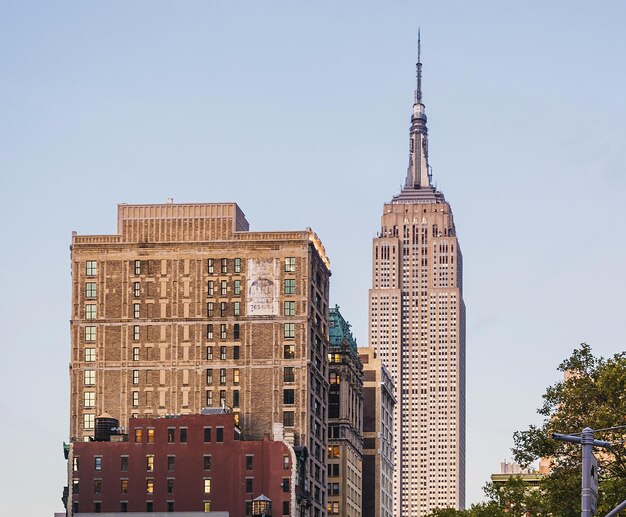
377	436
185	308
417	327
345	420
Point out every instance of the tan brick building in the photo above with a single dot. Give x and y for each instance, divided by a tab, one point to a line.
184	308
378	412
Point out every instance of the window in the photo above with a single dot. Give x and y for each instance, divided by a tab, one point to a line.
290	330
136	289
90	399
207	485
123	506
135	398
333	451
249	485
335	378
209	331
289	396
236	329
222	309
207	434
97	463
136	310
88	422
236	352
124	486
90	377
150	437
209	353
333	470
210	288
97	488
237	288
170	504
149	486
285	462
90	290
333	488
333	507
222	353
209	398
90	355
290	308
236	308
210	266
289	351
223	331
289	374
150	462
149	506
236	376
90	311
75	486
286	485
286	508
223	288
138	435
135	332
249	461
219	434
209	309
75	463
137	267
124	462
290	264
224	265
183	435
171	461
209	376
170	487
237	265
235	398
206	506
92	268
136	353
222	398
170	435
290	286
135	376
90	334
207	461
222	376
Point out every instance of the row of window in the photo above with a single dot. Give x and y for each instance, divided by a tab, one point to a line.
206	507
91	266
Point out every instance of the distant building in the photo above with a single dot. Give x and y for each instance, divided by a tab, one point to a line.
345	420
190	463
184	308
513	470
378	436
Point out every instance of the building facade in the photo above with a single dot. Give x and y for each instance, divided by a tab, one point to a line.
379	395
417	327
185	309
178	464
345	420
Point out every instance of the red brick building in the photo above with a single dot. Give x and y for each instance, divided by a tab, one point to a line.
182	464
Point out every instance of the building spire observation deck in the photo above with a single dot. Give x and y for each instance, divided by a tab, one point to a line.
418	183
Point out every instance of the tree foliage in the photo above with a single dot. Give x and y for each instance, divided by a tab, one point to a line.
592	394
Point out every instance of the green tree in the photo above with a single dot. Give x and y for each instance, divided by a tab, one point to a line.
592	394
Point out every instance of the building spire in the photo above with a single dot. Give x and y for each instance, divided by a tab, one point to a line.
418	173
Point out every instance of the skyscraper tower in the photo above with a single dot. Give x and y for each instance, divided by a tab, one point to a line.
417	326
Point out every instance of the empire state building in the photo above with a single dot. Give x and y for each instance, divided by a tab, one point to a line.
417	327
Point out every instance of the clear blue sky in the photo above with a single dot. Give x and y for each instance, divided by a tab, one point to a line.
299	112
